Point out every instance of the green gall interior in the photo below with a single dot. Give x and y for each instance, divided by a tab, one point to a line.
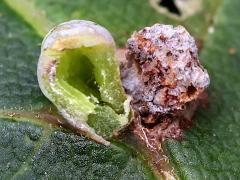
92	71
76	69
89	80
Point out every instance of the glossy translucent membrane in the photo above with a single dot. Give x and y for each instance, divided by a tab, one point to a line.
79	73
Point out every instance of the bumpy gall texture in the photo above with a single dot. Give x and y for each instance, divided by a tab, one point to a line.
163	71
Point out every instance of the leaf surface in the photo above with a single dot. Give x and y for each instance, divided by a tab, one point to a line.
121	18
30	151
211	149
31	148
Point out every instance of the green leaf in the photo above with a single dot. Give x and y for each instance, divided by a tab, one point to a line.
19	50
121	18
199	23
30	148
211	149
30	151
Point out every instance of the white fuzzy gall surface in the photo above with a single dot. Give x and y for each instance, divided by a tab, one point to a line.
167	73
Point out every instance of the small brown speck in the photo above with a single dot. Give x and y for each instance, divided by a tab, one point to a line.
165	123
152	50
163	38
189	64
169	53
150	119
11	114
199	43
232	51
48	68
